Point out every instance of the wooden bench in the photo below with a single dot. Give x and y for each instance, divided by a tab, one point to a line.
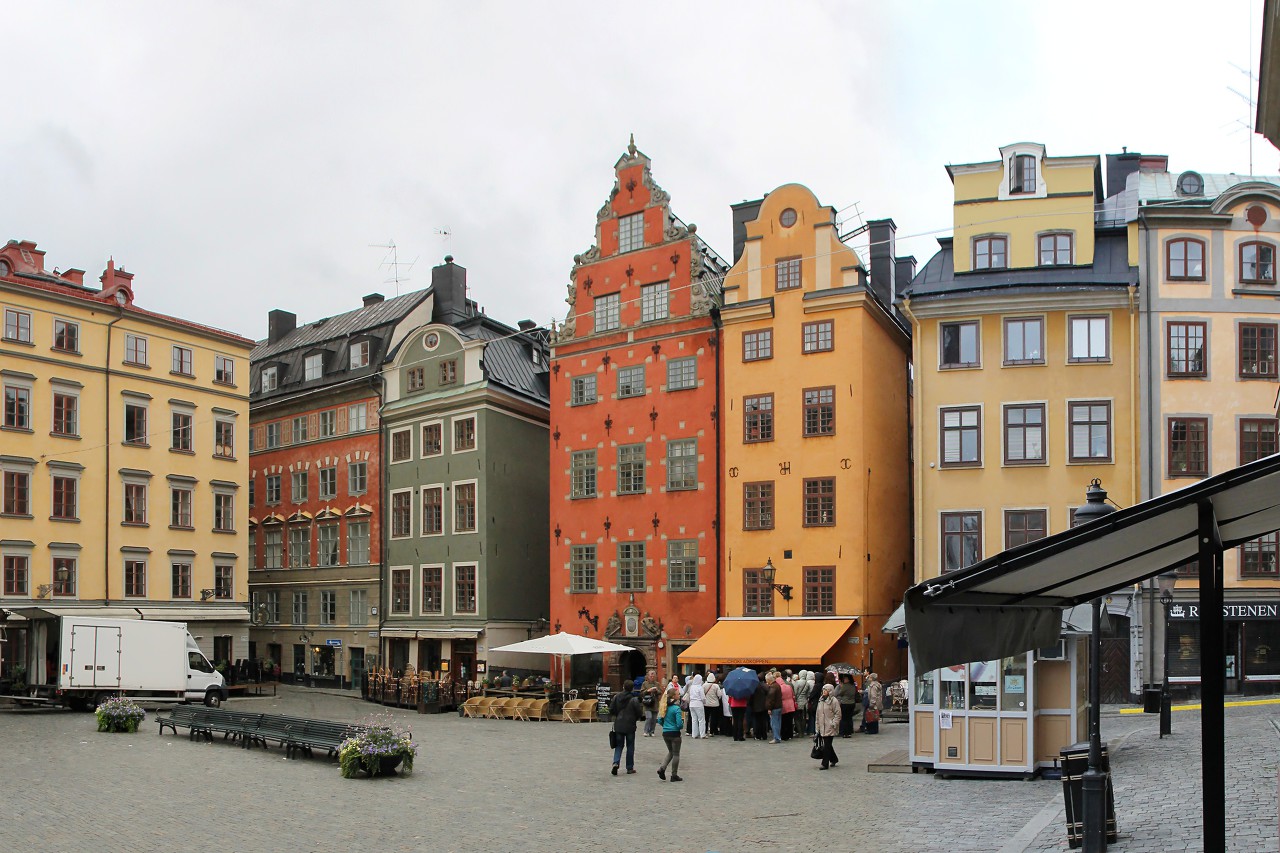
184	716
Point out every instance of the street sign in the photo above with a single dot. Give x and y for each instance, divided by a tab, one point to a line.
333	642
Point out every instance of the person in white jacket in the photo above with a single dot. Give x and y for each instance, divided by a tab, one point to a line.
712	698
697	706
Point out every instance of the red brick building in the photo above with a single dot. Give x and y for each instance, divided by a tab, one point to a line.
635	452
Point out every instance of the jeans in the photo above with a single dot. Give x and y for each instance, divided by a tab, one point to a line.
698	713
775	723
673	752
650	720
739	723
629	738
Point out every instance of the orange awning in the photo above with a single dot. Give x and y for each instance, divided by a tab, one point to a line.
754	642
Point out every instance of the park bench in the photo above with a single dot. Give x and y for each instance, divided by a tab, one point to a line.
319	734
188	717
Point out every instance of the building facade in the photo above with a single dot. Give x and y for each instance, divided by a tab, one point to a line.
124	456
465	431
634	468
316	487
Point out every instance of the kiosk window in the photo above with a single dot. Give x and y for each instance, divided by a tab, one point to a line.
984	680
1013	683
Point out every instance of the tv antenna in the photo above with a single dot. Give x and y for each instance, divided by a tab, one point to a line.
856	216
1251	98
391	260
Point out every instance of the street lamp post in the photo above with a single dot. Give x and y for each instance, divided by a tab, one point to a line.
1165	583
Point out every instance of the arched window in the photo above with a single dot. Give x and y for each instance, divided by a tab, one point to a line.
1184	260
1257	263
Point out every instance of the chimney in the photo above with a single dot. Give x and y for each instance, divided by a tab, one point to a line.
373	299
1119	168
743	212
74	276
449	288
279	324
527	325
883	248
904	269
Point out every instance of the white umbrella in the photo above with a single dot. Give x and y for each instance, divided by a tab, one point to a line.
563	644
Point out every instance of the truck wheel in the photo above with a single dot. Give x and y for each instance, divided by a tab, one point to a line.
78	705
213	699
91	703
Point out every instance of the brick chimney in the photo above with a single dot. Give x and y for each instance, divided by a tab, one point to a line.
373	299
449	289
279	324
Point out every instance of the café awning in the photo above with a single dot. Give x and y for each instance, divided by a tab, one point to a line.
759	642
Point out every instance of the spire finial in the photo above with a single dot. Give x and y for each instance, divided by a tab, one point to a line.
631	146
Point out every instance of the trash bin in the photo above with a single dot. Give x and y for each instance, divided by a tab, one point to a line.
1151	700
1075	761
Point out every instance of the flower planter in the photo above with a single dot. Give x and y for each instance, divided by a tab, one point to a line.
387	764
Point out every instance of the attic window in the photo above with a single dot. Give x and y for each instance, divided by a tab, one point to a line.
359	354
1190	183
5	269
537	356
314	366
1022	173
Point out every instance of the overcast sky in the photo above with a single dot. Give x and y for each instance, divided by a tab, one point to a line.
244	156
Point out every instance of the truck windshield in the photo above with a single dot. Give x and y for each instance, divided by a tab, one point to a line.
196	661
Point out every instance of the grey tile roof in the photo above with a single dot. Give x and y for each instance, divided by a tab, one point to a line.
342	326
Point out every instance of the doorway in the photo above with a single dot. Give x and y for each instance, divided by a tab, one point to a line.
1114	679
632	665
464	659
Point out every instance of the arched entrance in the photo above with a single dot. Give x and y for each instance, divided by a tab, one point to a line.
632	665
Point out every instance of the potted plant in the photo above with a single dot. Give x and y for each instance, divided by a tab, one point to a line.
378	751
119	714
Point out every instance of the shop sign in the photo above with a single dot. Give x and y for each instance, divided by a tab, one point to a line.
1232	611
333	642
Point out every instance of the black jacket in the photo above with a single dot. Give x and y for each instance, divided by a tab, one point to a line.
626	710
759	698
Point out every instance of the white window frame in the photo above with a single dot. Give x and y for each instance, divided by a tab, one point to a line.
135	350
270	379
362	411
313	367
182	357
655	302
358	355
475	433
475	609
391	502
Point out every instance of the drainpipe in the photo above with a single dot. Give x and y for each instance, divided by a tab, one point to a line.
106	483
718	339
379	386
915	381
1148	469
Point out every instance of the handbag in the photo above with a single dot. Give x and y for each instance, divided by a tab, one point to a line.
873	715
816	752
613	739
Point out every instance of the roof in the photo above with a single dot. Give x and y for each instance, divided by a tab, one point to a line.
507	359
1147	188
1110	267
343	326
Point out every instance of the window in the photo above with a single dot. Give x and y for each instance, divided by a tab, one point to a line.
464	508
135	503
358	607
631	381
961	436
1024	340
630	232
359	354
357	478
449	371
1022	173
64	577
328	424
682	464
682	565
135	578
464	589
17	407
273	488
1257	438
631	560
416	378
401	445
182	361
757	418
224	512
582	474
66	414
1260	557
357	543
357	417
433	511
653	302
66	336
432	589
328	482
464	434
328	607
757	345
786	274
224	439
400	591
1188	447
1024	525
1184	354
682	373
1090	339
17	326
631	469
270	379
1090	431
961	540
224	370
65	504
313	367
300	429
989	253
583	390
180	498
1055	249
299	608
298	486
432	439
273	435
326	544
1257	263
299	545
401	514
818	336
1024	434
135	424
180	431
1184	260
1257	350
757	506
757	596
607	309
273	549
269	604
819	590
17	569
253	490
959	342
17	493
582	568
135	352
223	581
819	411
819	502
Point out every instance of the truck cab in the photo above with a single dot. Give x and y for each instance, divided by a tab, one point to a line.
204	683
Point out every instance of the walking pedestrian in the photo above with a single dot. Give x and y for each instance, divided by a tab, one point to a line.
697	707
711	699
788	705
828	720
672	723
801	688
847	695
626	710
873	704
773	704
650	694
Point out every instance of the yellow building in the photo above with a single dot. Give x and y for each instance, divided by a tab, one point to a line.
814	415
1024	331
124	451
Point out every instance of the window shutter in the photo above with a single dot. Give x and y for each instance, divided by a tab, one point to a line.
342	420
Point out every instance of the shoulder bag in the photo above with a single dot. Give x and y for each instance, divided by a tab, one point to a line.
816	752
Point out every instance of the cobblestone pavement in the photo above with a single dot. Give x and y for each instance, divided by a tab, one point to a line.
498	785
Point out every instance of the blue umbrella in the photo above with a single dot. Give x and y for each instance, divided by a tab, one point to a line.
741	682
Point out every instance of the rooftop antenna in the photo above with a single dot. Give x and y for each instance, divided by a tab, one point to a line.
392	260
1249	99
856	216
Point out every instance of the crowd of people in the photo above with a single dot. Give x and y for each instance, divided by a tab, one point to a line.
782	706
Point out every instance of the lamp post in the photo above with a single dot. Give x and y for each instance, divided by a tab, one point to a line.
769	573
1094	782
1165	583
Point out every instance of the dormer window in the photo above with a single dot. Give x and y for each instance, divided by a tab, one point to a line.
1022	174
359	354
313	367
270	379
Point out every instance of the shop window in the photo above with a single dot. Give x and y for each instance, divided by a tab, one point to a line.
951	688
1013	683
984	685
